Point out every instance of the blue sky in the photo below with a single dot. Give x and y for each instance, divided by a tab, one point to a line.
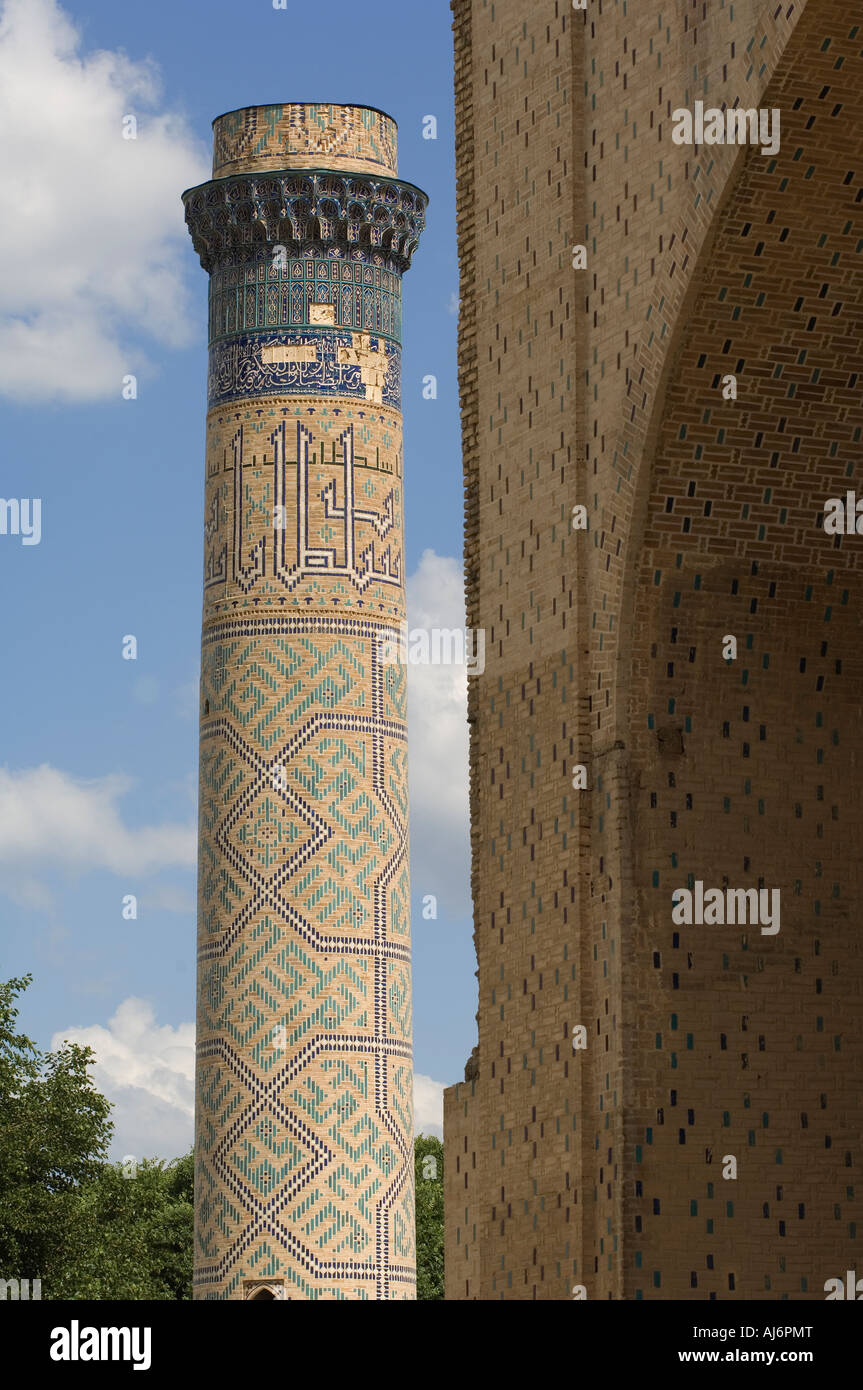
98	766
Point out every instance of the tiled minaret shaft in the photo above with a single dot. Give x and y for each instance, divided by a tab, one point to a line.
304	1110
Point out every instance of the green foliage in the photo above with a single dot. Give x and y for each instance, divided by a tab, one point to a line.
85	1227
54	1136
428	1169
134	1234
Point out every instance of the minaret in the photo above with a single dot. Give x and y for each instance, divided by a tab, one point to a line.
304	1105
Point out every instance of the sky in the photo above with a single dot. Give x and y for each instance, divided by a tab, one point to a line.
99	282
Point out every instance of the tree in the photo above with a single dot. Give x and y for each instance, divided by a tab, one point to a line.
134	1234
428	1169
85	1227
54	1136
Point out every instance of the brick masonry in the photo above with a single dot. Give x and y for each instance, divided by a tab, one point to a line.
603	1167
304	1165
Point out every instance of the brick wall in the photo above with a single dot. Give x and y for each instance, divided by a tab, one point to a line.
603	1167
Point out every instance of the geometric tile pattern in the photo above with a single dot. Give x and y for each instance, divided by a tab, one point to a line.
297	136
304	1019
263	293
304	1091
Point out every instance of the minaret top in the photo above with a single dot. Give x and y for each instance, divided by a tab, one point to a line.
303	135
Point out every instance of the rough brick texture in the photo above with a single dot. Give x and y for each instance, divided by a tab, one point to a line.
603	1167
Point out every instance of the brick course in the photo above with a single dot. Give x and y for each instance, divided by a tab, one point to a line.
603	1167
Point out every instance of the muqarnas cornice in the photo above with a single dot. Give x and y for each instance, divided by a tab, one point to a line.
245	211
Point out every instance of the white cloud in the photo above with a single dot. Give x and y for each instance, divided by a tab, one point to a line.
454	303
27	892
428	1105
92	241
438	744
50	819
148	1072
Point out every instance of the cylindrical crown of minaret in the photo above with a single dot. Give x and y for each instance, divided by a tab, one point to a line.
304	1086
